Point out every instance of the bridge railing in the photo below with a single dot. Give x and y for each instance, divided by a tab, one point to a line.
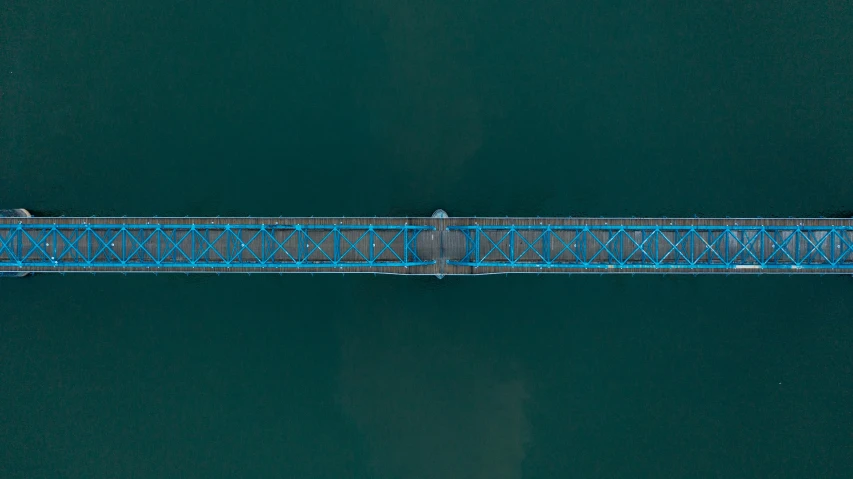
217	246
665	247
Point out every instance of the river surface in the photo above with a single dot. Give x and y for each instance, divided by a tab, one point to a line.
399	107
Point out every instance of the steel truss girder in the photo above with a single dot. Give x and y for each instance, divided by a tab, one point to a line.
657	247
212	246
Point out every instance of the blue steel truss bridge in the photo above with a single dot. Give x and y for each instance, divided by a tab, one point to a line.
435	245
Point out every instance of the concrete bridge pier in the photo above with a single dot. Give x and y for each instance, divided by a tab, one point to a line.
441	216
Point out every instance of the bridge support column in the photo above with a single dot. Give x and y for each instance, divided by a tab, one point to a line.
441	216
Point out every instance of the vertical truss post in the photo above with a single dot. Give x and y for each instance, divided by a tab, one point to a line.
19	243
372	236
692	257
512	244
797	258
108	239
809	247
657	245
546	245
738	246
239	245
141	241
477	232
773	239
337	243
406	245
175	244
300	242
228	253
123	235
263	235
831	247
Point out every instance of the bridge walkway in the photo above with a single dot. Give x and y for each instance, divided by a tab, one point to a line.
426	245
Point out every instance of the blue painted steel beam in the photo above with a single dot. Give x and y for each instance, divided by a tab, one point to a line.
153	246
657	247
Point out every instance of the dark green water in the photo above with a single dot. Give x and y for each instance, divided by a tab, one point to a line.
399	107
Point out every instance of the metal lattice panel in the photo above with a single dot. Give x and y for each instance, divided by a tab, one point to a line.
657	247
155	246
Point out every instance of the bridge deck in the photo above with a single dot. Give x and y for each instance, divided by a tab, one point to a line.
653	245
427	246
